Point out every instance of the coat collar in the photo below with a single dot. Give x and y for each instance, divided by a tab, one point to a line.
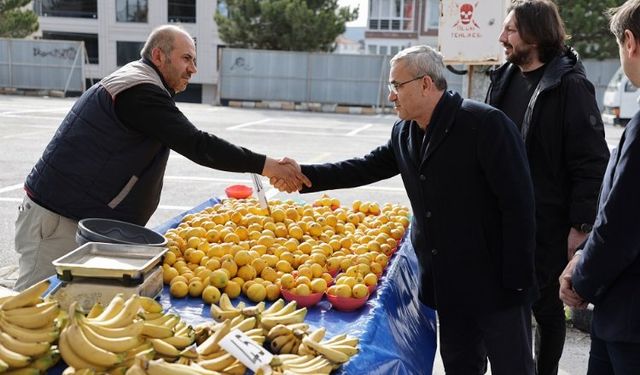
443	119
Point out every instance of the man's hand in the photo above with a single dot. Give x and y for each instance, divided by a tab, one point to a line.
286	173
567	294
575	239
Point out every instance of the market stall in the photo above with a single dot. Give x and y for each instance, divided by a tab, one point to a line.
397	334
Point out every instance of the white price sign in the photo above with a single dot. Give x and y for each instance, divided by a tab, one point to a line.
245	350
257	183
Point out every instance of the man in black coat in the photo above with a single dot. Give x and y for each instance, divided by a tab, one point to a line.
607	271
543	89
465	171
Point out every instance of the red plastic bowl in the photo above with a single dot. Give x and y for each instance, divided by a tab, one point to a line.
302	301
347	303
372	288
238	191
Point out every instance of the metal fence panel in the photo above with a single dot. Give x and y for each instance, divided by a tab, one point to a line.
307	77
42	64
599	72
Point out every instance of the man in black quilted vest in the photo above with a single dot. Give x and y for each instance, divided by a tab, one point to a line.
108	157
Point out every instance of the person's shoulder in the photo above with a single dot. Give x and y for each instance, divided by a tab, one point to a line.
476	108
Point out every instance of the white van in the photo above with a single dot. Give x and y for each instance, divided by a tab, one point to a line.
620	100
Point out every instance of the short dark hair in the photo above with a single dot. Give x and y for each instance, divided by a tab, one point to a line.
539	22
625	17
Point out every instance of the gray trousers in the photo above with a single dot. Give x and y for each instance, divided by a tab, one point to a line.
41	237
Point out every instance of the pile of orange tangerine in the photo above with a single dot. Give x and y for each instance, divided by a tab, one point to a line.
237	247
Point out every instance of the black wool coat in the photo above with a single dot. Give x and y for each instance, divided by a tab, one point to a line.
472	200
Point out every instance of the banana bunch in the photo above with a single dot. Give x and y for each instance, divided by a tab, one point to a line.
294	364
170	336
161	367
279	313
28	326
286	339
337	350
212	357
225	310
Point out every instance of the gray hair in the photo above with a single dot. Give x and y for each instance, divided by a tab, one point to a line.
161	37
423	60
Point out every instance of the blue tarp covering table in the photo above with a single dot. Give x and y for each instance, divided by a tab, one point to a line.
397	333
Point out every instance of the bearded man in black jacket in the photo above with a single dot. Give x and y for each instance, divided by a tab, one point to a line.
543	88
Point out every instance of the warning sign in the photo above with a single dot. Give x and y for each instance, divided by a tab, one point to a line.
469	31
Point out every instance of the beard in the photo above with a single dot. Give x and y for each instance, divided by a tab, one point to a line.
521	55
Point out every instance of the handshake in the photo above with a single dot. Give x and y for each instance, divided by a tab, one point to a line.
285	174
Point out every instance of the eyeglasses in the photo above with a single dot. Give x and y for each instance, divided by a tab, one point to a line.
395	86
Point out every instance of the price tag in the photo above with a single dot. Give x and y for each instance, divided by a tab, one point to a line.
262	198
247	351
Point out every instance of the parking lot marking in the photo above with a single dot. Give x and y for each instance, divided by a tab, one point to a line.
10	199
356	131
20	135
244	125
11	188
322	134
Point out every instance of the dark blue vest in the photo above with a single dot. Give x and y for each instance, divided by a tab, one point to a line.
94	166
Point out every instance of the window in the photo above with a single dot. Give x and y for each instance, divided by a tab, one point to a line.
374	49
127	52
433	14
393	15
90	42
182	11
66	8
131	10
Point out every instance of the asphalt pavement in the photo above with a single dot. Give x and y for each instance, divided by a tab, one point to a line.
27	124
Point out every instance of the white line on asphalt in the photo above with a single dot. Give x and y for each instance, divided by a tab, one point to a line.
307	133
240	126
20	135
33	117
356	131
11	188
213	179
11	200
61	110
169	207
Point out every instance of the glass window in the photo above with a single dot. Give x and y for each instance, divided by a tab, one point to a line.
127	52
433	14
66	8
90	42
373	49
182	11
391	15
131	10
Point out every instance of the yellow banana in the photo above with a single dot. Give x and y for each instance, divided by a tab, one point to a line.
150	316
219	363
28	297
156	331
278	343
286	309
133	329
112	344
164	348
351	341
278	330
96	310
199	370
296	316
124	317
130	356
346	349
180	341
160	367
210	345
309	361
48	334
275	307
236	368
136	370
318	334
332	355
37	320
161	320
245	325
336	338
23	371
150	305
237	319
189	352
45	362
113	308
288	347
225	303
31	349
293	359
253	310
31	310
220	315
88	350
255	332
13	359
304	327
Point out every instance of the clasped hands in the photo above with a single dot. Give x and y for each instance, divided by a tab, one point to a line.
567	294
285	174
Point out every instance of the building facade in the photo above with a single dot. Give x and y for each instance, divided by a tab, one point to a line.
396	24
114	33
